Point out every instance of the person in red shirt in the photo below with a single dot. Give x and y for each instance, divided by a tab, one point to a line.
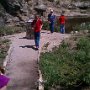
37	26
62	23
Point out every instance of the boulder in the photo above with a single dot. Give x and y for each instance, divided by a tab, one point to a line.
82	5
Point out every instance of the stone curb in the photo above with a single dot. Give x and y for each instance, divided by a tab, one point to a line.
8	57
40	81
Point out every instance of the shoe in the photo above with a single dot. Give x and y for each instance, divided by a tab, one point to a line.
37	47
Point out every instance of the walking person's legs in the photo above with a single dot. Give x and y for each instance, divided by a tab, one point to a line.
62	28
37	39
52	27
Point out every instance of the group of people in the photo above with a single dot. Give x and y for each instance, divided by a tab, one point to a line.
37	25
52	19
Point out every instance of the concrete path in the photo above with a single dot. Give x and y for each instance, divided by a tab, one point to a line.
22	66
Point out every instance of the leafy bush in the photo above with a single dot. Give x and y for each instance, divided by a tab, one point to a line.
6	30
66	66
83	26
4	46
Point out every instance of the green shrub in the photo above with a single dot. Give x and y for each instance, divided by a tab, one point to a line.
4	46
7	30
83	44
82	26
66	66
45	25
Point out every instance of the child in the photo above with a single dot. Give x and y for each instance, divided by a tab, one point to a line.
37	25
3	80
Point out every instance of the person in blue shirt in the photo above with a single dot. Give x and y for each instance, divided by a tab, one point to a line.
51	19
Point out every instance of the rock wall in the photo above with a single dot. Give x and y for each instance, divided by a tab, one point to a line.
17	10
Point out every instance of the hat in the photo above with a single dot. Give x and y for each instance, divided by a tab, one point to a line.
51	10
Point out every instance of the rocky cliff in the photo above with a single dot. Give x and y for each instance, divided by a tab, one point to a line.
17	10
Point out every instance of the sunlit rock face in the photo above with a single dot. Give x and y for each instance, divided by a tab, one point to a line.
83	5
12	6
40	7
11	9
23	9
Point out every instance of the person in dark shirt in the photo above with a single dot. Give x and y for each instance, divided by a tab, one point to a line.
51	19
37	26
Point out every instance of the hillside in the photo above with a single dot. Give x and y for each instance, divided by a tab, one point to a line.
14	11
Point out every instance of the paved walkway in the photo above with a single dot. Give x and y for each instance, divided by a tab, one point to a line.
22	66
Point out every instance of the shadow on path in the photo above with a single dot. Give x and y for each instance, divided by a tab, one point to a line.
29	46
46	32
43	32
26	38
